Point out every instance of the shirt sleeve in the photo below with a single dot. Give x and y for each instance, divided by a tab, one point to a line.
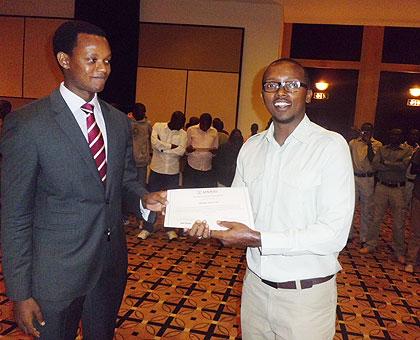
334	211
157	144
180	149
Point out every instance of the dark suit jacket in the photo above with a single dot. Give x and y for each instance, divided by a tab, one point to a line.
55	209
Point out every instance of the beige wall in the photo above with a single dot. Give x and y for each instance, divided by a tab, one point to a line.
262	23
403	13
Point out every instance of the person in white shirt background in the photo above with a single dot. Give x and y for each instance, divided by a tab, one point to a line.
202	145
363	150
301	185
169	141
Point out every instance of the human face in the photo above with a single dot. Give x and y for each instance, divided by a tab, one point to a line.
87	68
286	107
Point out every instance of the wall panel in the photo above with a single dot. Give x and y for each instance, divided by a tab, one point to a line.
11	56
215	93
41	72
162	91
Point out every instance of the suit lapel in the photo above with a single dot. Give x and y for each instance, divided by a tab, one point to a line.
112	137
68	124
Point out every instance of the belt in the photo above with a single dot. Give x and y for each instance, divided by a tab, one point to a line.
364	174
392	184
304	284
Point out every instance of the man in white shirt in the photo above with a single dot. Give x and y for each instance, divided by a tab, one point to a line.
301	185
169	141
202	144
363	150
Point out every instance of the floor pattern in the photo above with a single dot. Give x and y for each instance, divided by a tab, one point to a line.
188	289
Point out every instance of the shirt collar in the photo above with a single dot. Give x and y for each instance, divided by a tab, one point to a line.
300	133
73	101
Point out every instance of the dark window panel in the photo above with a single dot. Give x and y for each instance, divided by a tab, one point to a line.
392	110
401	45
326	42
337	112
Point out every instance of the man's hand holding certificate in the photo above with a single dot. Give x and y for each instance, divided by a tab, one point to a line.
186	206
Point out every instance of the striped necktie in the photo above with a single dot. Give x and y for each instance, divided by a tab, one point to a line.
95	140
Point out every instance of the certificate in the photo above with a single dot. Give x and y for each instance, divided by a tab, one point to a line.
211	204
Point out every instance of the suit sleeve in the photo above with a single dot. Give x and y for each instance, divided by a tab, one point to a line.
132	190
20	168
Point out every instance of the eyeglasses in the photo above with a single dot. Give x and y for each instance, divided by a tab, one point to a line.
288	85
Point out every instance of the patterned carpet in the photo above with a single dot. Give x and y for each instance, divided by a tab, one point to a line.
186	289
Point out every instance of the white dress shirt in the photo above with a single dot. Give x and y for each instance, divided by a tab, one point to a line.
199	139
74	102
302	197
165	160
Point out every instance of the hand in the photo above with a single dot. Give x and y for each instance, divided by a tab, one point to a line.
155	201
200	229
237	234
25	312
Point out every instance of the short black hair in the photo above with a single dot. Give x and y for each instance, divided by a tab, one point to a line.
206	117
139	111
218	124
291	61
65	37
367	127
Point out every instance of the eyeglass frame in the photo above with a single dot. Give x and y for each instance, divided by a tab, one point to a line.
282	84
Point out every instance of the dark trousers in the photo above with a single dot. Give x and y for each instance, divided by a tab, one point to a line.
159	182
98	309
198	179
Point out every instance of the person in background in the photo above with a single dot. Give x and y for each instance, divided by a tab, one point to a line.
301	185
169	141
414	241
412	143
222	134
191	122
202	144
224	163
390	162
363	150
142	148
67	166
254	129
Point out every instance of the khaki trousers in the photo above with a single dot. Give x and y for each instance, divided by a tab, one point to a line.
394	197
364	187
414	242
289	314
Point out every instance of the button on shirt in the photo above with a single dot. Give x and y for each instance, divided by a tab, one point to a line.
359	152
166	160
199	139
74	102
302	197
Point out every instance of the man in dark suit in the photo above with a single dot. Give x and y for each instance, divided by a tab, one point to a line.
67	166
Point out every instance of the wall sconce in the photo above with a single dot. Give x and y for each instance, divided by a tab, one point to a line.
321	86
414	92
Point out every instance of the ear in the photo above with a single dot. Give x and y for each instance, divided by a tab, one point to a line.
63	60
308	96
